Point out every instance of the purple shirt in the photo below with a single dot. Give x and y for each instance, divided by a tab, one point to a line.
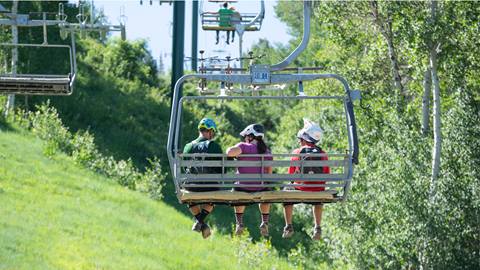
250	148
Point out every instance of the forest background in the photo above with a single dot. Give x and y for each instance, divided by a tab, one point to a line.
415	198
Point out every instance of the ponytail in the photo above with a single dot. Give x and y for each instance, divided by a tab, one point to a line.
261	146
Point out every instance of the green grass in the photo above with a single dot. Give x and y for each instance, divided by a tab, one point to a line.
56	215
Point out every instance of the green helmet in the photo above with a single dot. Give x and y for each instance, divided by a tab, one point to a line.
207	123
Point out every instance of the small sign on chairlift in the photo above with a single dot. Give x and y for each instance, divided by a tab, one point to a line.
260	74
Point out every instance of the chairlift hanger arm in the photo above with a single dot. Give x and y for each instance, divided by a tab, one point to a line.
306	37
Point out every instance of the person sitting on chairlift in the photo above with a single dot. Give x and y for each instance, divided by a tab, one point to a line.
253	144
203	144
308	137
224	20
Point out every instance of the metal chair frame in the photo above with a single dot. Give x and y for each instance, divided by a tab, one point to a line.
211	21
41	84
336	185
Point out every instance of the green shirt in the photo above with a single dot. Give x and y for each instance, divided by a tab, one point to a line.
213	147
225	16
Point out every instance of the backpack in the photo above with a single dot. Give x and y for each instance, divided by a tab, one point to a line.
202	147
312	150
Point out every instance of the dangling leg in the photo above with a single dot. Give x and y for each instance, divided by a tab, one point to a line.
228	37
218	37
196	211
288	215
265	211
239	210
317	214
233	35
206	210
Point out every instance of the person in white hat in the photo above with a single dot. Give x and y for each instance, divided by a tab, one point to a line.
309	136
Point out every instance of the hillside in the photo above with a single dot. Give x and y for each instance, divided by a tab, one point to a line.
56	215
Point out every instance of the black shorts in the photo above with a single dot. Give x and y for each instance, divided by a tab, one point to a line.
251	191
202	189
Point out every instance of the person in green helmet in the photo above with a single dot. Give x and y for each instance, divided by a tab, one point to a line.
203	144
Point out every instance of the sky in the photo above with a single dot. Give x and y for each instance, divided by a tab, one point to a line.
154	23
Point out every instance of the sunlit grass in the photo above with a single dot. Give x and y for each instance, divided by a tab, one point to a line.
56	215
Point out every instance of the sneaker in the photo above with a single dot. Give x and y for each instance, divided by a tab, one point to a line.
205	231
264	229
239	229
288	231
197	226
317	233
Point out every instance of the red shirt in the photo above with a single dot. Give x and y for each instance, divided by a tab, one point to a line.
295	169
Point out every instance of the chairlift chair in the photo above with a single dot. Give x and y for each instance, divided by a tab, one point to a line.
337	183
246	22
40	84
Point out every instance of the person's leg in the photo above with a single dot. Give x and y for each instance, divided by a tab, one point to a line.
265	211
228	37
288	216
208	207
233	36
196	210
218	37
201	213
317	214
239	210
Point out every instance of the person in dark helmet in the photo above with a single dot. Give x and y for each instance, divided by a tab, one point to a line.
224	20
203	144
309	136
253	143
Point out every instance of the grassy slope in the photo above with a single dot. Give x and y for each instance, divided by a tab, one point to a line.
55	215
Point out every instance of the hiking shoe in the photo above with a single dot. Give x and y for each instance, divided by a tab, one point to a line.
288	231
264	229
239	229
317	233
205	231
197	226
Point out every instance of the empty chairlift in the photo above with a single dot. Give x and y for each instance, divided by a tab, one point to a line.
32	83
40	84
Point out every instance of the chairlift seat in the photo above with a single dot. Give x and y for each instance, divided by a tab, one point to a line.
230	28
35	84
234	197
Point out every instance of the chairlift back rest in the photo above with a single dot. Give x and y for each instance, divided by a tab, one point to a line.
334	183
40	84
